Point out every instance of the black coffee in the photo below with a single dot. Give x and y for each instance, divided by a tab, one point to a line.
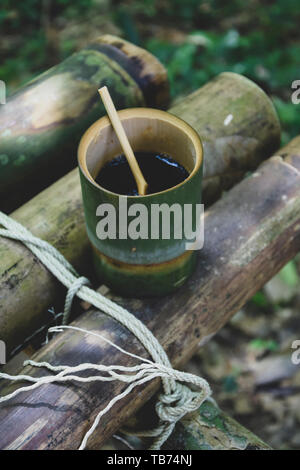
159	169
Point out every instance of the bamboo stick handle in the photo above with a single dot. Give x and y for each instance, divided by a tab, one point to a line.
119	129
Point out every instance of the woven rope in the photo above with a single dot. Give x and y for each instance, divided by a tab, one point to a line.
176	401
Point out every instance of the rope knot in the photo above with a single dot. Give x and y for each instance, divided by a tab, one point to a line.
173	406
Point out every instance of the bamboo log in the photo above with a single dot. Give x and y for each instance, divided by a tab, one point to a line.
211	429
208	428
41	124
249	235
238	128
27	289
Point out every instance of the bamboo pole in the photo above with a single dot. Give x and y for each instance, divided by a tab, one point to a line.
211	429
41	124
28	290
249	235
208	428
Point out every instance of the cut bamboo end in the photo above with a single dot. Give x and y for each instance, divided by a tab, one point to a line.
141	183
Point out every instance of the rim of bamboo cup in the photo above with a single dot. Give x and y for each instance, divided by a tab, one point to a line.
92	134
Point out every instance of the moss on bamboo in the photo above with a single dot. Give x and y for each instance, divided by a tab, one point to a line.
209	428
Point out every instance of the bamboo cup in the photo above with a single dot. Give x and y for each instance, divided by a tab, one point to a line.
149	266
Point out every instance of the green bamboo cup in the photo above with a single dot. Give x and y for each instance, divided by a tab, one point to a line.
143	265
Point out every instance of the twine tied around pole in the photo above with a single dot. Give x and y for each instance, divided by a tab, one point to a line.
177	398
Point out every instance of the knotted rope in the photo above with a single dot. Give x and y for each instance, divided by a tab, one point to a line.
176	400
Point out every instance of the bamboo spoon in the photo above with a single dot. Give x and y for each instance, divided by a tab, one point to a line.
141	183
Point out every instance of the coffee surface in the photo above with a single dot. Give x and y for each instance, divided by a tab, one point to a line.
159	169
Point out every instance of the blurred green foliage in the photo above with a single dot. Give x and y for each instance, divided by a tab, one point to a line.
260	344
260	299
258	38
261	41
24	50
289	274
